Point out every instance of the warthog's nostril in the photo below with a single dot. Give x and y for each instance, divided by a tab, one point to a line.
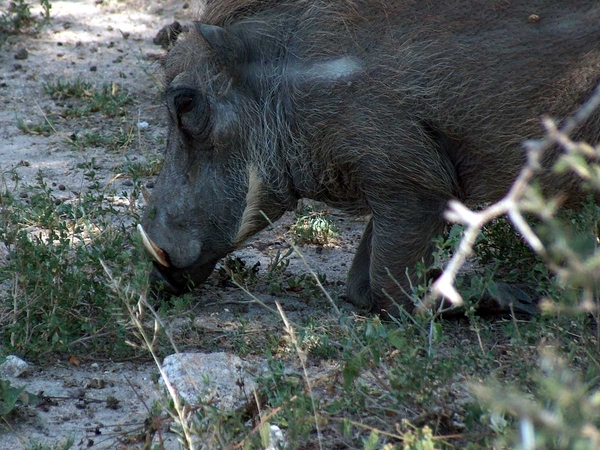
155	251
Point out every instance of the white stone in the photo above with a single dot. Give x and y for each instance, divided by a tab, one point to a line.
13	367
219	377
276	439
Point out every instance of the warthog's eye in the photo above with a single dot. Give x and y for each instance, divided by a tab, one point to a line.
189	109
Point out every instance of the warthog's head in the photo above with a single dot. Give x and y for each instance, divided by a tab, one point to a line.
213	192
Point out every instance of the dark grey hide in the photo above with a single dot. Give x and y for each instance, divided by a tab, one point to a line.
388	108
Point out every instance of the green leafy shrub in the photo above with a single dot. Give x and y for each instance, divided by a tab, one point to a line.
59	296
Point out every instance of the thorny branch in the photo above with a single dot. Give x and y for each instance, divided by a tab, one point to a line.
511	204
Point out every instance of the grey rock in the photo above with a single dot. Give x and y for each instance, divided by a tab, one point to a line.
13	367
22	54
276	438
219	377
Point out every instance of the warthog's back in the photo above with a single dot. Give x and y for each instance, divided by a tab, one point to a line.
480	71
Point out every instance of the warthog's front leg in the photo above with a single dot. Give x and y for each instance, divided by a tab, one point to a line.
358	286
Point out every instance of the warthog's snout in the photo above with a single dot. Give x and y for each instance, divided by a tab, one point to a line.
173	280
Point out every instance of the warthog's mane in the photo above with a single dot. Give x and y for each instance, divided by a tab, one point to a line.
275	145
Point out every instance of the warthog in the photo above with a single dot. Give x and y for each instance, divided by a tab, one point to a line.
388	108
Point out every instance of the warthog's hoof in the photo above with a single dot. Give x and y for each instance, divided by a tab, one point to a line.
507	298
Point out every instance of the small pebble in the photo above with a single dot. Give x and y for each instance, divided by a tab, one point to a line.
96	383
112	403
127	183
22	54
61	187
150	184
143	125
93	68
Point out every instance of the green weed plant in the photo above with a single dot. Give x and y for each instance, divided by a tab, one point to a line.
59	299
109	99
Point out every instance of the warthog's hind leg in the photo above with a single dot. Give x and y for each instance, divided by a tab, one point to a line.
362	289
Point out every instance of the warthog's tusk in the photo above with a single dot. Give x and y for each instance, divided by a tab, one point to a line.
155	251
145	195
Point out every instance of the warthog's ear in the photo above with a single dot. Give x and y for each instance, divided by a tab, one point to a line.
228	48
